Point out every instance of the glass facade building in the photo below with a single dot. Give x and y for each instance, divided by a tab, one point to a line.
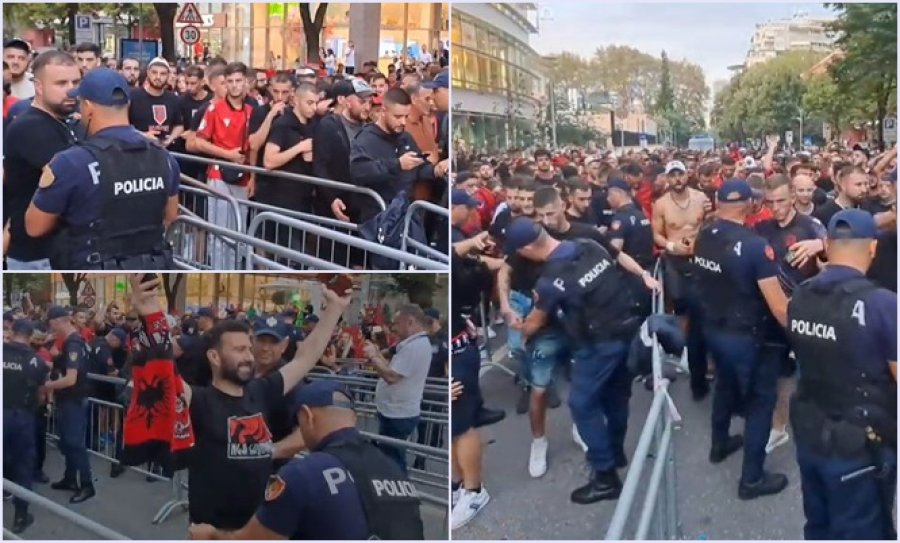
498	90
264	35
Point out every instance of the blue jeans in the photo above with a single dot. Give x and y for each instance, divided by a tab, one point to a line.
745	385
72	424
398	429
522	304
601	388
857	509
18	449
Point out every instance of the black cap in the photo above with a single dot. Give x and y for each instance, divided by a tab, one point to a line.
22	327
18	43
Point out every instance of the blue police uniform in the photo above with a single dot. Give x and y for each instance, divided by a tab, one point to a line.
582	286
110	192
23	373
344	489
843	329
72	417
729	259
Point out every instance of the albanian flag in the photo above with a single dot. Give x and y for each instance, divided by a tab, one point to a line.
158	423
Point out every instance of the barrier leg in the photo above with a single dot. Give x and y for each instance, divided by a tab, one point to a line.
178	499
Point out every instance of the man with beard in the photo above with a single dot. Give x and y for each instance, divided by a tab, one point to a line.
520	202
797	240
852	185
232	457
385	158
335	132
545	174
578	194
154	110
29	144
676	219
264	116
136	201
17	54
130	69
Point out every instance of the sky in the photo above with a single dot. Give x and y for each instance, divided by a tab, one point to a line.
713	35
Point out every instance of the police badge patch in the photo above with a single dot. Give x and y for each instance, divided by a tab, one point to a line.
275	487
73	356
47	177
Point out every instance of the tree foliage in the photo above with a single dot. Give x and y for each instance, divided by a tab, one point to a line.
418	288
36	284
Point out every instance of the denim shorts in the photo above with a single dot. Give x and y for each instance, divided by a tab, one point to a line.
522	304
544	352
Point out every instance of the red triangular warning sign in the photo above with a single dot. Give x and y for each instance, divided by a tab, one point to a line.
190	15
88	289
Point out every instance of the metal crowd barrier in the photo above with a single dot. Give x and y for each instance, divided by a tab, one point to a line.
317	181
417	246
659	511
102	532
105	439
256	230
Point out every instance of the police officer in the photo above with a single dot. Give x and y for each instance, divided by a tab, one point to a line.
71	405
111	196
629	229
737	270
23	375
843	329
346	488
289	317
582	286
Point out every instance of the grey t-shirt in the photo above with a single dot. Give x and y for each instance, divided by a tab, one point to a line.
403	399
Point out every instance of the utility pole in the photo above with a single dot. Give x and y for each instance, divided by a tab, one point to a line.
553	115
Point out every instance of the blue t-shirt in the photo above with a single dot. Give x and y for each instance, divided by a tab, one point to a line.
876	343
73	194
314	498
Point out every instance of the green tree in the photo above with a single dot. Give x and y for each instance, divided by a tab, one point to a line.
419	288
867	36
37	285
665	102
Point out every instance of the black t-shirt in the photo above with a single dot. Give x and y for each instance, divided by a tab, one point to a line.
188	106
232	458
875	205
827	210
525	273
162	112
589	218
552	182
287	131
29	143
583	231
457	321
884	266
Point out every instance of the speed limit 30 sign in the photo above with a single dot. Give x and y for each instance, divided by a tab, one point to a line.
190	35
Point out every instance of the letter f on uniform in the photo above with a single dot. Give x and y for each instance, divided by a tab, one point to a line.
94	168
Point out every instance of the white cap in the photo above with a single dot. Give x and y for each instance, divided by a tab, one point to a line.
749	162
675	165
158	60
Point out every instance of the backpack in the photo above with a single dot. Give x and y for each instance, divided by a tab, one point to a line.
386	229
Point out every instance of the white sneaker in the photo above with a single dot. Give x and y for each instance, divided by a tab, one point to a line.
577	438
499	321
454	497
468	505
490	333
777	438
537	464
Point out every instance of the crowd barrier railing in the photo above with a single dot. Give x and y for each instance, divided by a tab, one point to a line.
95	528
256	230
105	439
308	179
659	511
417	246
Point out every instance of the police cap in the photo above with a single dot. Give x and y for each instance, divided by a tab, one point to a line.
205	312
734	190
318	393
520	233
119	334
22	327
620	184
459	197
104	87
852	224
57	311
269	325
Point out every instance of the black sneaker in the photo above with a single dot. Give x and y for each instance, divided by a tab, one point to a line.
771	483
721	451
604	485
115	470
87	492
524	401
65	484
21	522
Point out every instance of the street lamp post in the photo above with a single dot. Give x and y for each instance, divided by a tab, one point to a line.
553	115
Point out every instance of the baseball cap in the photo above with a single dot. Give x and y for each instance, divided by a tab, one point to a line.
18	43
22	327
460	197
350	87
440	81
103	86
620	184
57	311
521	232
734	190
862	149
749	162
675	165
189	326
852	224
119	334
317	393
433	314
269	325
206	312
305	72
158	61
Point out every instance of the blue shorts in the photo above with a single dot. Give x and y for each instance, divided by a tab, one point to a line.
544	352
522	304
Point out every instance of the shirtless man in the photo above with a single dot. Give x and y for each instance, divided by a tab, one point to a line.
677	217
804	188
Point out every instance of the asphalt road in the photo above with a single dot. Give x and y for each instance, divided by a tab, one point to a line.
526	508
128	504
